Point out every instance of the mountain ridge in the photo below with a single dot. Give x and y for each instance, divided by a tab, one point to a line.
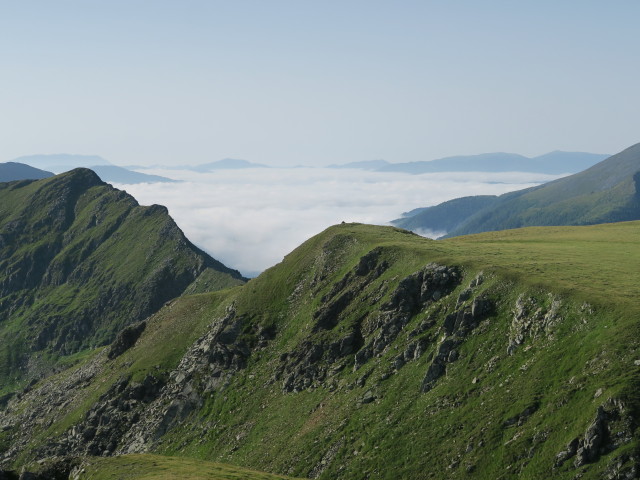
605	192
80	259
369	351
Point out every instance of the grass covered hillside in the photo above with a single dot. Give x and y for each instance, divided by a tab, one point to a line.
370	352
78	261
444	217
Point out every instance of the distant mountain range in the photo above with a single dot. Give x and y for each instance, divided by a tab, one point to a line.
59	163
113	174
364	165
553	163
62	162
225	164
606	192
11	171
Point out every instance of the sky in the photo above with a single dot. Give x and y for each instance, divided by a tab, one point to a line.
303	82
249	219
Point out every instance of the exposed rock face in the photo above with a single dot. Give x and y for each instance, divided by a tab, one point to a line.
422	288
126	339
611	427
456	327
531	319
205	369
110	418
413	294
131	416
48	402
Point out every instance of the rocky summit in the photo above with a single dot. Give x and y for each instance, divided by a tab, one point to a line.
368	352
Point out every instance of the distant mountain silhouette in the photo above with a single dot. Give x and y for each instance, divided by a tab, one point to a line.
62	162
113	174
364	165
226	164
59	163
553	163
11	171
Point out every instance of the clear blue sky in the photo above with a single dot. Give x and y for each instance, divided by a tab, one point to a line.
316	82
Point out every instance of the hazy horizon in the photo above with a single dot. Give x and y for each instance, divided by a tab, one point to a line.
297	83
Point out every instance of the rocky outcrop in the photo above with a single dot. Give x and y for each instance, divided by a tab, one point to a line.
101	431
206	368
422	288
126	339
133	414
314	364
41	405
612	427
413	294
456	327
532	318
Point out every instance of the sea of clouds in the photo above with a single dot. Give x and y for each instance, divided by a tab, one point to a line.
249	219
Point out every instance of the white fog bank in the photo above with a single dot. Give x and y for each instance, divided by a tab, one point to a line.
249	219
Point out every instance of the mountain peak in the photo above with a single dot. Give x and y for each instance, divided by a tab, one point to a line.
83	178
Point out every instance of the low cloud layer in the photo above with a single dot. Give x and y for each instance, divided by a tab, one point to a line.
249	219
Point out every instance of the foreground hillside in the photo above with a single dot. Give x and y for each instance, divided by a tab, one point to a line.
370	352
79	260
607	192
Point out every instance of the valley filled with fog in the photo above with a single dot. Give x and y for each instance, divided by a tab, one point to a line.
250	218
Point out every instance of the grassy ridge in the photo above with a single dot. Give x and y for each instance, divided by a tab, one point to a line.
578	344
412	433
78	261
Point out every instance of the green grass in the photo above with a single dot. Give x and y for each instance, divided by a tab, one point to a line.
156	467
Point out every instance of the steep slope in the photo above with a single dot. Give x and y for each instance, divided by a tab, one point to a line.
78	261
607	192
370	352
11	171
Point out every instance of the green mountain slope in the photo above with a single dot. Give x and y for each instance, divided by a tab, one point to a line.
370	352
78	261
447	216
606	192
